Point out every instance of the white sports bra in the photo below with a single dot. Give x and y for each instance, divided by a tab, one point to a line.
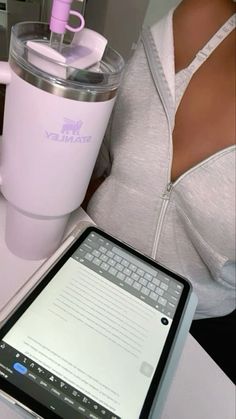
183	77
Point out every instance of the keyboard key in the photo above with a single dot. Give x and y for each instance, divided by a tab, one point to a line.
96	253
87	247
97	261
119	267
156	281
121	276
172	299
105	266
170	306
112	271
174	292
111	262
151	286
125	263
162	301
132	267
117	258
153	296
103	249
89	257
159	291
135	276
110	254
127	271
164	286
143	281
145	291
166	280
137	286
104	258
148	276
140	272
129	281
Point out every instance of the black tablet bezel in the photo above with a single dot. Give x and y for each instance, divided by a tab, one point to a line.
39	408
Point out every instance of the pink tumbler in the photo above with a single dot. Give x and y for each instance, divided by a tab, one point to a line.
54	121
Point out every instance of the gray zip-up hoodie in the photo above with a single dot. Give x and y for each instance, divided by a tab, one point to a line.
188	225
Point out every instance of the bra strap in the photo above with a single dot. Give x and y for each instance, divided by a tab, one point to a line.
212	44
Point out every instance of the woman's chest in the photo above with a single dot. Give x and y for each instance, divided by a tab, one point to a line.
204	199
205	117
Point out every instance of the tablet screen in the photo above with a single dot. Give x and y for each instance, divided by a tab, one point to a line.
90	344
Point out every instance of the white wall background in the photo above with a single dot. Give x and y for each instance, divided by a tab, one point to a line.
121	20
157	9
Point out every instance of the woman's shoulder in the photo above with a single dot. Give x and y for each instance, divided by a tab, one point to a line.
194	23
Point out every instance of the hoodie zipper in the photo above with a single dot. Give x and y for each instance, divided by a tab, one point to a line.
165	197
167	192
169	188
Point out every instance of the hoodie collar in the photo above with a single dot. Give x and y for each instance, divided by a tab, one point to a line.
159	47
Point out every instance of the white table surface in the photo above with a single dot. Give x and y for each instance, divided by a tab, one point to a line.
200	390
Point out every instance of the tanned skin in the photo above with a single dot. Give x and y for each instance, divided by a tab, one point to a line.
205	119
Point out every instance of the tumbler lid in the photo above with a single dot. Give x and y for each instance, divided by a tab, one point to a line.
84	52
99	82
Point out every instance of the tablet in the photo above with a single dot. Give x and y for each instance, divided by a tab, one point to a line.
100	335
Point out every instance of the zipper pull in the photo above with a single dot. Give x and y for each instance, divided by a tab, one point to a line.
166	193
